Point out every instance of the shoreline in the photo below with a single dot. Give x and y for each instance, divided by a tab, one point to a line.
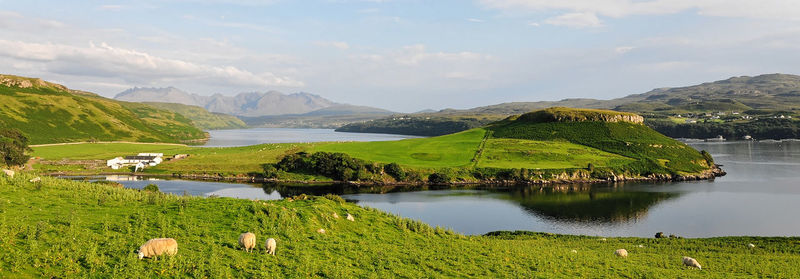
706	175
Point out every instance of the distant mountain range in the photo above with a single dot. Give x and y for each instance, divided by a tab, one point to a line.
761	96
253	104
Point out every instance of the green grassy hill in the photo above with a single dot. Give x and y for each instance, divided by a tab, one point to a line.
202	118
71	229
51	113
551	144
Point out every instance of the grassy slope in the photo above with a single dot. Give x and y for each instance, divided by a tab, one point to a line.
50	113
77	229
523	142
202	118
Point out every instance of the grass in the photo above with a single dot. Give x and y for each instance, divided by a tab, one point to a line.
455	150
69	229
531	154
50	113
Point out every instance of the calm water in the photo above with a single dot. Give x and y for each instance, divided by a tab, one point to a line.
759	196
243	137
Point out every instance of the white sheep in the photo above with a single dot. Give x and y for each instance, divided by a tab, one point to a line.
247	241
621	252
322	231
270	245
751	245
687	261
158	246
35	180
335	215
350	218
10	173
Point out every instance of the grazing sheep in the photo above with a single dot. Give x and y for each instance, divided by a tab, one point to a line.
603	239
640	246
350	218
35	180
751	245
270	245
687	261
158	246
621	252
574	251
322	231
10	173
335	215
247	241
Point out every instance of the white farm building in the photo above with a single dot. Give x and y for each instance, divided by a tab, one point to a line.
141	160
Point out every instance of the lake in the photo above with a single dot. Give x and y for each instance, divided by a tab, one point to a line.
760	196
244	137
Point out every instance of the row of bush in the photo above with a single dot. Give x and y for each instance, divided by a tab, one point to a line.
342	167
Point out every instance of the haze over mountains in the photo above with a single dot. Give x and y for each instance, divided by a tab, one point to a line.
250	104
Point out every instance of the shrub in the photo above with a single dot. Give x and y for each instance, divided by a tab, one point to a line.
394	170
151	188
335	198
270	171
438	178
13	145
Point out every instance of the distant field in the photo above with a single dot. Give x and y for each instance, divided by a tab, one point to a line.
456	150
514	153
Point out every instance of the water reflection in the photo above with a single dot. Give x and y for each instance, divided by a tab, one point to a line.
586	203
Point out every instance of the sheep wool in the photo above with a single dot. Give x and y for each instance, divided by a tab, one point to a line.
10	173
247	241
270	245
335	215
687	261
35	180
157	247
350	217
621	252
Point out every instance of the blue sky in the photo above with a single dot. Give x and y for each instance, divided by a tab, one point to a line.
402	55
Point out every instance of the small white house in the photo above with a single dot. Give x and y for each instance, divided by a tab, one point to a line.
115	163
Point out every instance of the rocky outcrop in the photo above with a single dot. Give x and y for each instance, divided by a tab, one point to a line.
560	114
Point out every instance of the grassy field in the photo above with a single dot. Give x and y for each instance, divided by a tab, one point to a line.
456	150
67	229
515	153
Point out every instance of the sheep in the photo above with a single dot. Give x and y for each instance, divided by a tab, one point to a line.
751	245
35	180
335	215
158	246
322	231
687	261
621	252
10	173
247	241
350	218
270	245
640	246
574	251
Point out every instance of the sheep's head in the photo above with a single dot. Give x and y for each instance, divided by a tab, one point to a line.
141	255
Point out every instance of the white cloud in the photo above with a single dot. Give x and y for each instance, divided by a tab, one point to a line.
476	20
765	9
333	44
575	20
415	54
623	49
133	66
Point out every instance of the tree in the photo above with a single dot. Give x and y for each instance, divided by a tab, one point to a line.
13	145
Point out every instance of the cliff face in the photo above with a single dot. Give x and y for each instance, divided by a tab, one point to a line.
559	114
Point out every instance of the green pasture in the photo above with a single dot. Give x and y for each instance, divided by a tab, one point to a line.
71	229
532	154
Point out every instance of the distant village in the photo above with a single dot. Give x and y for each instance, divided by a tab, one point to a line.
721	116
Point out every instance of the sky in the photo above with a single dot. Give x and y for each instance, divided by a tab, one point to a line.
402	55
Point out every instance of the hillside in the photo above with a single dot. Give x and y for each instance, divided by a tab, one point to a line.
552	145
51	113
731	108
202	118
82	229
